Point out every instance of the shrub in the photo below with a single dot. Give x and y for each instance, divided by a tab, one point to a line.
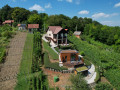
103	86
15	24
87	63
82	53
7	34
6	28
2	55
79	83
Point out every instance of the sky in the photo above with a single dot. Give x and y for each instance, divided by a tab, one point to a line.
106	12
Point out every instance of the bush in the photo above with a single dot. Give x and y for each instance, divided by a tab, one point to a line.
15	24
7	34
6	28
87	63
82	53
2	55
103	86
79	83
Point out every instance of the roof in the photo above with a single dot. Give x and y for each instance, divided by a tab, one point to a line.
55	29
33	25
21	25
80	69
8	21
69	51
77	33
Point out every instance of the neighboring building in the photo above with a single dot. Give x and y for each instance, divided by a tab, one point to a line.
57	35
9	22
21	26
77	34
33	27
72	60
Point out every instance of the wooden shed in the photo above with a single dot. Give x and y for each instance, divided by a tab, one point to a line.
70	58
69	55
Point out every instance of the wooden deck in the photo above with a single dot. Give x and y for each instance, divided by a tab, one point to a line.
72	63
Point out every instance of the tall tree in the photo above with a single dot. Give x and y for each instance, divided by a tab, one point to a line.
20	14
5	13
35	19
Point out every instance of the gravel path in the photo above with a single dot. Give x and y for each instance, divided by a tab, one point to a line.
9	70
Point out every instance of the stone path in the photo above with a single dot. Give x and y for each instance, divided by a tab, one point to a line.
9	70
91	75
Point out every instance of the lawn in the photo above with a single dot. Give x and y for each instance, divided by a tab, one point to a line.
26	63
47	48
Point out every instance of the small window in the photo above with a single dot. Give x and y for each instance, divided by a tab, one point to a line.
49	34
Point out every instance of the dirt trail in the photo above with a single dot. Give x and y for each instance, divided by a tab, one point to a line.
9	70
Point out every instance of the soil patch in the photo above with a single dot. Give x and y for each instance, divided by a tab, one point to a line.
63	79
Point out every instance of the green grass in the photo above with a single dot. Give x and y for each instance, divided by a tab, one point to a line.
26	63
48	64
47	48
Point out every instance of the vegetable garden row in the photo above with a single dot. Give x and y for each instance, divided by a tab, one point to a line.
107	60
38	82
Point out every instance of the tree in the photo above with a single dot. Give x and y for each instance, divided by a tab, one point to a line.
34	12
35	19
79	83
103	86
5	13
20	14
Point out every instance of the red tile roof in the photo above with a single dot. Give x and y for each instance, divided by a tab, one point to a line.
33	25
55	29
18	25
69	51
8	21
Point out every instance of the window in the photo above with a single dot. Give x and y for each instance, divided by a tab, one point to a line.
49	34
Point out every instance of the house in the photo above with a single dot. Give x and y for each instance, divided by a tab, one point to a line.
57	35
9	22
70	58
33	27
21	26
77	34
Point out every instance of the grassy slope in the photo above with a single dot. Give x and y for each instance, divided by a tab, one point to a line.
47	48
95	54
26	63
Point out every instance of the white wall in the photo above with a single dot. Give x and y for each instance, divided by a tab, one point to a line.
49	34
